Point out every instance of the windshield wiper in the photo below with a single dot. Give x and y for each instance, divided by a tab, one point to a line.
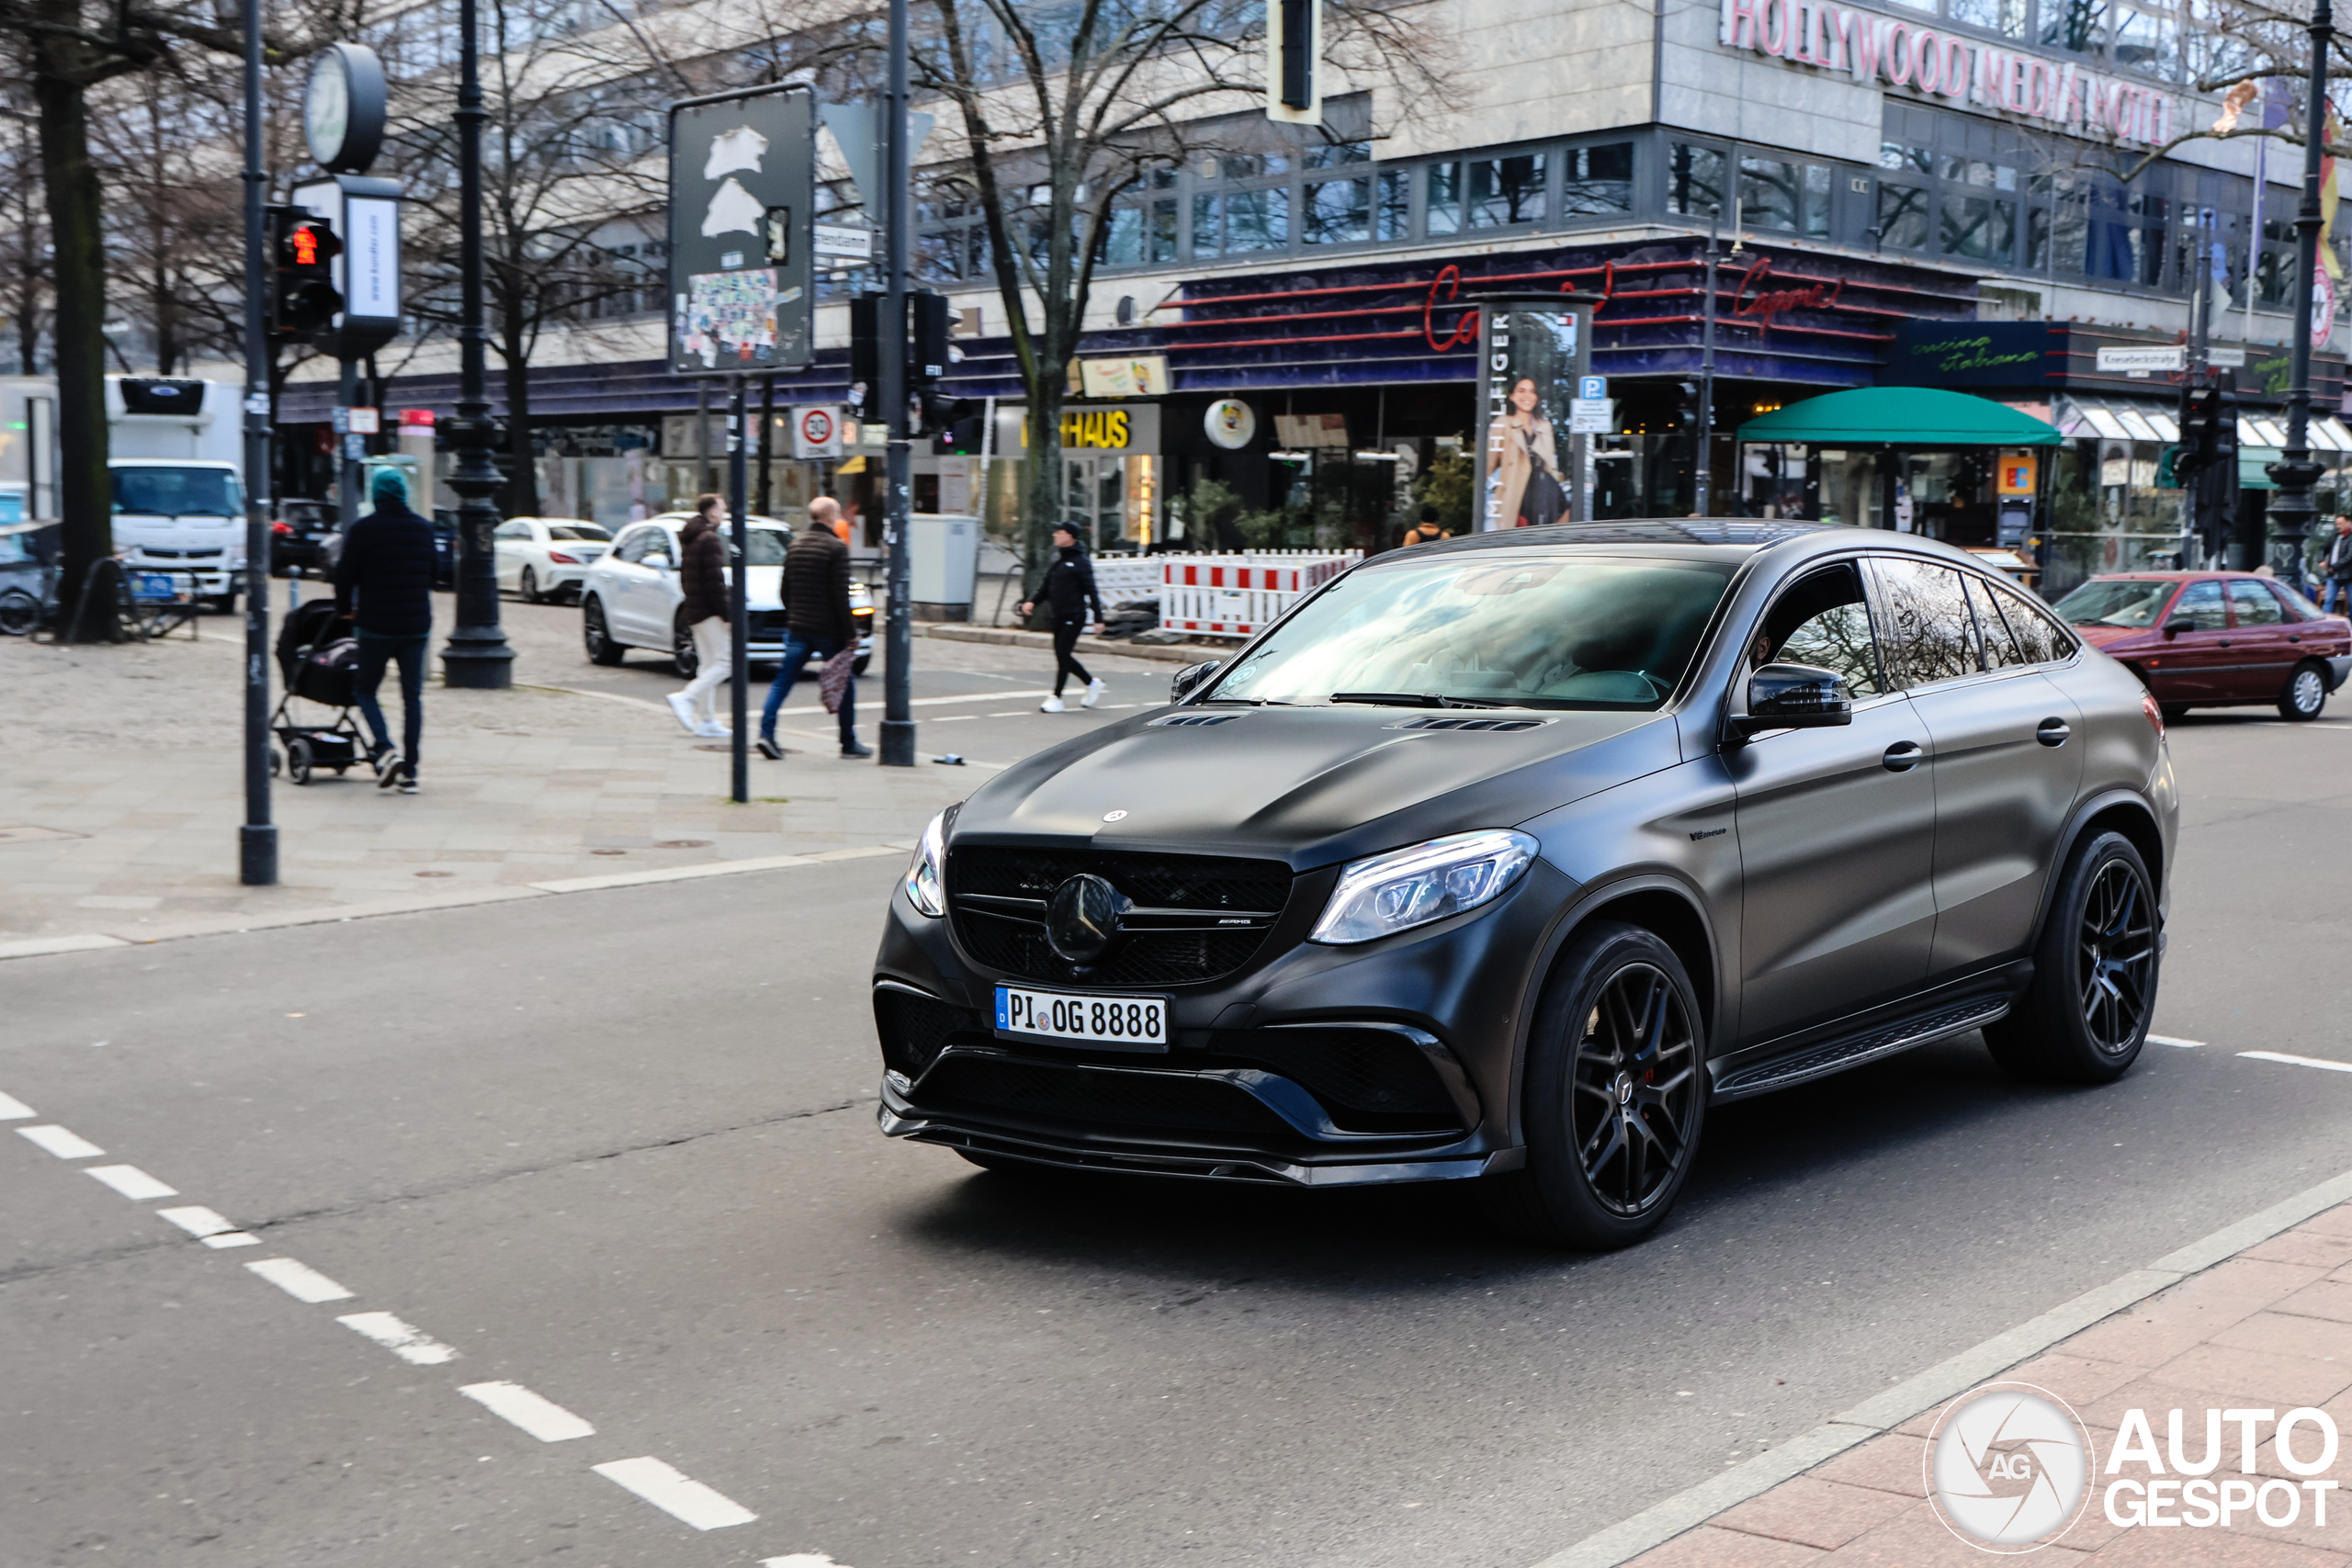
1409	700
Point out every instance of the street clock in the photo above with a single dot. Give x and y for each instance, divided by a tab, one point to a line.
344	107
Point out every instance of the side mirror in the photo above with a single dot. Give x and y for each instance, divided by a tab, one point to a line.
1191	678
2178	624
1793	697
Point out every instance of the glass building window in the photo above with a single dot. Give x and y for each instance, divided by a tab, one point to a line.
1902	215
1781	194
1446	198
1694	181
1123	246
1337	154
1337	212
1162	236
2076	25
1392	214
2004	16
1596	180
1208	225
1504	191
1978	228
1257	220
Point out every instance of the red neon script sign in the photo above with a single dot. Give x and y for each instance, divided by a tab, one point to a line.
1765	303
1449	277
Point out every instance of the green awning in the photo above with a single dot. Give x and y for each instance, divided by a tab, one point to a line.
2254	467
1899	416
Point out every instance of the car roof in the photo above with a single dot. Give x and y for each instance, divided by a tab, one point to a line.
2174	576
753	520
1731	540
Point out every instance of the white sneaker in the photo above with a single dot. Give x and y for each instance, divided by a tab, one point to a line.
711	729
1094	689
685	708
1053	705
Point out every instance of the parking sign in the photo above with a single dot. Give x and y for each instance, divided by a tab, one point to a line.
1593	389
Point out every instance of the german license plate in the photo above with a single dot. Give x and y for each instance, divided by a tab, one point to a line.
1110	1021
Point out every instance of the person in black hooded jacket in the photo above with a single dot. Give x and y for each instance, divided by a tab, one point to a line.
383	580
1069	588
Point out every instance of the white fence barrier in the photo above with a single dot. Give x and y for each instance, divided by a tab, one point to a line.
1233	596
1125	577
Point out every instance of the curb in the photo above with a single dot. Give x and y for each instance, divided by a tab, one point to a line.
1164	653
1688	1509
331	914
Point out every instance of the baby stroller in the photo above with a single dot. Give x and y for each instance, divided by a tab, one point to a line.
317	658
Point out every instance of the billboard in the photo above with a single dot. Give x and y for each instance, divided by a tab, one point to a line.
1534	351
742	193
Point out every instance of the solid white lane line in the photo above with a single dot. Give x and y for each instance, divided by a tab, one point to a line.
410	1343
2173	1040
198	1221
12	1109
932	702
61	1142
130	1181
542	1418
682	1498
800	1559
300	1281
2298	1061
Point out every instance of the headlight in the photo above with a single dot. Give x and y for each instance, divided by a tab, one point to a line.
924	884
1405	888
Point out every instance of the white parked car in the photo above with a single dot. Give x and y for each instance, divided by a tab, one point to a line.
543	557
630	598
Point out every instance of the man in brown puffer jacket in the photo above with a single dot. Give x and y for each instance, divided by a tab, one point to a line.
702	578
817	622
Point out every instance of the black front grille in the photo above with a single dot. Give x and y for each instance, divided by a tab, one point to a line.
914	1029
1101	1100
1369	1080
767	626
1014	943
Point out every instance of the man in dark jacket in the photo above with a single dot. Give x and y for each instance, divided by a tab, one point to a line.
817	622
2337	569
1069	588
702	578
383	581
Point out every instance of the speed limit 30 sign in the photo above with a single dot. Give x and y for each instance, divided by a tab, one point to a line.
817	432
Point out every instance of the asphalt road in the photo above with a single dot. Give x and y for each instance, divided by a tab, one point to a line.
618	1149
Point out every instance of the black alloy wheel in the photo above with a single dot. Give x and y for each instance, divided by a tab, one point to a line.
2306	693
1615	1094
19	613
2085	1014
597	635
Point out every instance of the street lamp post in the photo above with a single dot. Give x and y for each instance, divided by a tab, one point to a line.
898	719
476	655
2294	508
257	839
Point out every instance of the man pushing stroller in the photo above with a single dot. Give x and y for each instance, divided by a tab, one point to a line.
384	582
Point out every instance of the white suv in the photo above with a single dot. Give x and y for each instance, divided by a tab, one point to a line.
630	597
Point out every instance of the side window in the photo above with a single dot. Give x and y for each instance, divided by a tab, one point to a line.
1822	621
2201	602
2254	605
1923	622
2038	636
2001	651
632	545
659	550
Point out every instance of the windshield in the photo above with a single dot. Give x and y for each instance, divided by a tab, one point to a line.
177	492
764	546
1517	630
2117	603
586	531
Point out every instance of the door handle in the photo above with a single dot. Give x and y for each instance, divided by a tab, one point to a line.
2225	642
2052	732
1904	756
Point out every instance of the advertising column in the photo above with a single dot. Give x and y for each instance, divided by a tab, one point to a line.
1533	348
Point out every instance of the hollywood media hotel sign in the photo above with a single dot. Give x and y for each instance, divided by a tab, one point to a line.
1914	55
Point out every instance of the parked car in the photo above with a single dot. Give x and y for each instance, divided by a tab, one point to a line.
297	536
2215	638
27	576
630	597
543	557
1505	857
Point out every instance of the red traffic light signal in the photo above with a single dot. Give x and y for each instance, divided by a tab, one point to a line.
303	298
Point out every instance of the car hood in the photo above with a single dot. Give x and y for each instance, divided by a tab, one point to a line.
2108	637
1308	786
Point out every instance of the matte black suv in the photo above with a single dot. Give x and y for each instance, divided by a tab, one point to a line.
1504	858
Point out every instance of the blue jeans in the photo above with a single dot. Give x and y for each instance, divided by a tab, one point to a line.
408	654
2331	591
797	651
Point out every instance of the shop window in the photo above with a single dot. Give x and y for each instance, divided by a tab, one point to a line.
1694	181
1596	180
1446	198
1902	215
1504	191
1978	228
1337	212
2004	16
1392	213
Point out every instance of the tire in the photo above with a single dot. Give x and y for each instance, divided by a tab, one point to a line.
595	637
2174	712
298	762
1615	1063
2086	1015
682	650
19	613
529	586
857	666
2306	693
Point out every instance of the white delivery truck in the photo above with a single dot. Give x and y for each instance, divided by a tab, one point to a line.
174	452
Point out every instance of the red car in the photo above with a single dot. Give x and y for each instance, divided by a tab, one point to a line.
2215	638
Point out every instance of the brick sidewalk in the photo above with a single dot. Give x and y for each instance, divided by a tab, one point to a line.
2269	1328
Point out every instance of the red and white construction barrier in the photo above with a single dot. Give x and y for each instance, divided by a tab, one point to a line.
1234	595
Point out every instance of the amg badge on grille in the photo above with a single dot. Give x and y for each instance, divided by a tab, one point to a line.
1082	917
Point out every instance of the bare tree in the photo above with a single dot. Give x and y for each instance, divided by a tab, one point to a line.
24	237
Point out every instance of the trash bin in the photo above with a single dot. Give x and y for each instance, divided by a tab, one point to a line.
942	563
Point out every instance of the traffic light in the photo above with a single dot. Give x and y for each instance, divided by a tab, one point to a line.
2200	425
865	341
954	424
303	298
926	337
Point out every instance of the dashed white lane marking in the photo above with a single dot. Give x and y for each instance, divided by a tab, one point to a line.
542	1418
13	1109
411	1344
2298	1061
61	1142
130	1181
207	1226
300	1281
800	1559
2173	1040
680	1496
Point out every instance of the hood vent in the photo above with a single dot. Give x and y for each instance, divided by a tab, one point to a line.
1192	718
1491	724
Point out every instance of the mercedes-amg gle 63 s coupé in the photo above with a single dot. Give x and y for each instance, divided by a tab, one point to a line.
1505	858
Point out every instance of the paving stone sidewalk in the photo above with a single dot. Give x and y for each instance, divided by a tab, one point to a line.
2269	1328
120	794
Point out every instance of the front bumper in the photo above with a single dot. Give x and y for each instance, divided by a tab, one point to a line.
2337	668
1272	1075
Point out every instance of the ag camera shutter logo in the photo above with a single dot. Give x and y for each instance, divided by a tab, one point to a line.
2008	1468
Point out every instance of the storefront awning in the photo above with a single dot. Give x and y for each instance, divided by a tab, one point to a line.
1899	416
